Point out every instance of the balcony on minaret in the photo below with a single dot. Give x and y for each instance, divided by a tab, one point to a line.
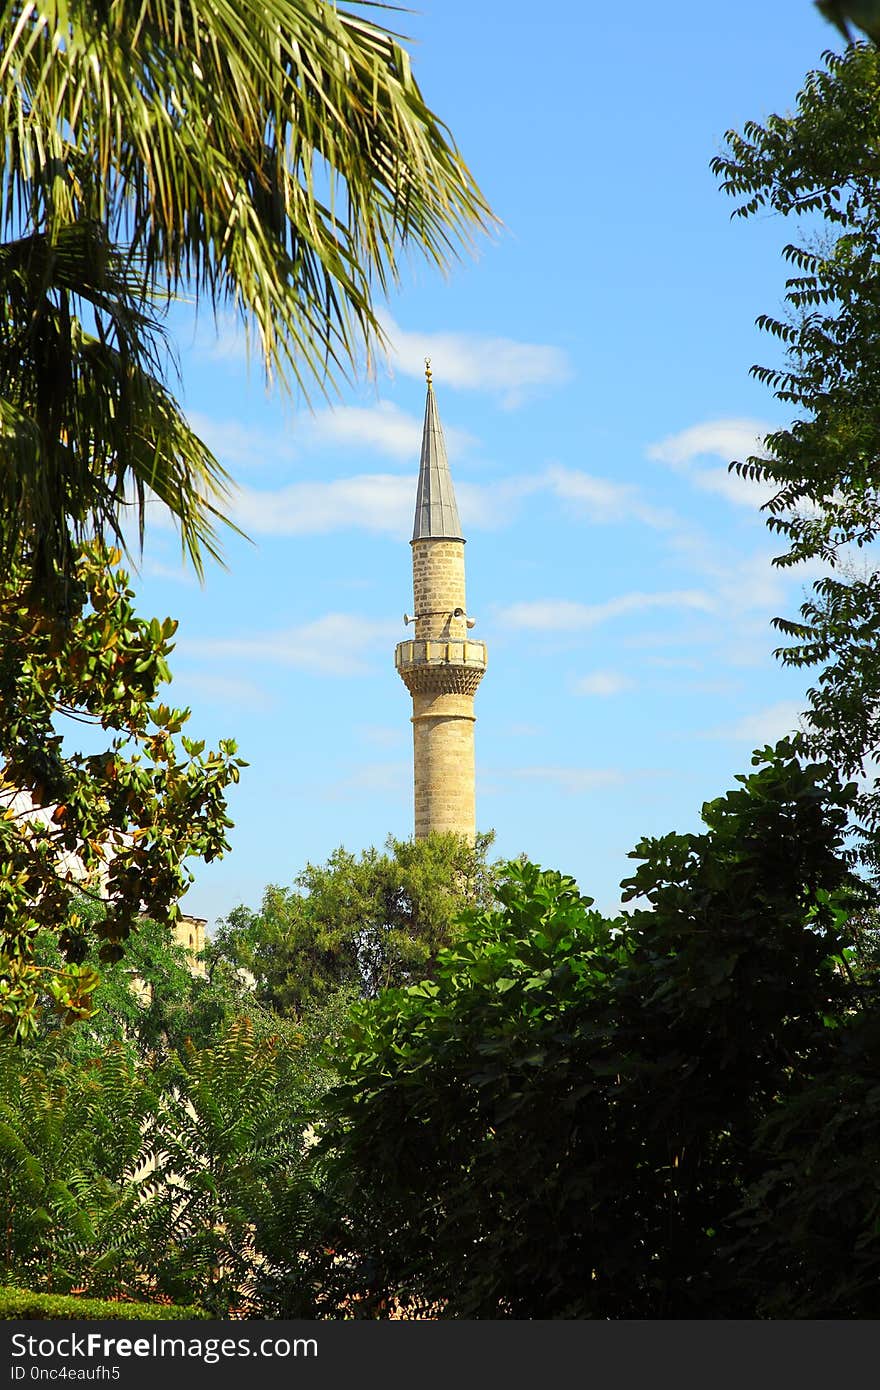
441	667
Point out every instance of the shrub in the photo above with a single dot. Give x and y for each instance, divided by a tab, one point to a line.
24	1304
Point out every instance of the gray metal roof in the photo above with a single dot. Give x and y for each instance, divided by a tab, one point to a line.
436	509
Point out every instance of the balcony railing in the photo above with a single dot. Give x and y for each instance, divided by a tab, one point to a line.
433	652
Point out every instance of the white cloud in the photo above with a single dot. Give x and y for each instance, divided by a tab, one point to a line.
504	367
377	502
239	445
743	582
557	615
487	506
734	439
745	492
604	501
738	641
602	683
224	339
674	662
471	361
474	362
384	428
384	502
764	726
724	439
335	645
178	574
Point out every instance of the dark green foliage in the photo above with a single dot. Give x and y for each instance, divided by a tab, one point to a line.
365	923
840	629
156	1000
72	1146
142	999
234	1208
191	1181
115	825
466	1091
821	162
567	1120
811	1220
87	424
731	1004
865	14
672	1114
21	1303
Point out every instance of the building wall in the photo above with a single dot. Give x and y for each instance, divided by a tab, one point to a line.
189	932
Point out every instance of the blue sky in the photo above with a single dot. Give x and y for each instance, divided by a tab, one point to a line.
591	370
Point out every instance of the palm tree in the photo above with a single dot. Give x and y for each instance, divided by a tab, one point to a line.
273	157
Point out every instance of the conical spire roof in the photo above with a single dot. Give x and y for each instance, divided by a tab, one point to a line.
436	509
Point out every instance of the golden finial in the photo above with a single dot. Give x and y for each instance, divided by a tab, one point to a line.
428	370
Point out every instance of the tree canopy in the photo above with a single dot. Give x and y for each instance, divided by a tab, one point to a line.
667	1114
188	1179
113	818
365	922
274	158
571	1119
819	165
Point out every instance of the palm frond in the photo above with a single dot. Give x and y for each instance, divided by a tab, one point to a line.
275	155
88	429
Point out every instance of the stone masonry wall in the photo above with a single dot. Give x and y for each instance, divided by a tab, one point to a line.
438	588
443	716
443	761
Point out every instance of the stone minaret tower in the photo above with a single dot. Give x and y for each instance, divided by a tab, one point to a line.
441	667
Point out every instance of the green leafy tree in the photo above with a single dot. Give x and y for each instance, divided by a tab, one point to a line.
818	164
193	1177
87	422
274	158
235	1207
567	1120
155	1001
115	825
366	922
810	1244
73	1151
140	999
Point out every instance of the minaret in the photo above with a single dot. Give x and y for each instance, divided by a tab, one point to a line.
441	667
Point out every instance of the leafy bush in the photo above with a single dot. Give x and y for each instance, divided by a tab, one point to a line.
192	1181
73	1155
23	1304
235	1201
569	1120
811	1222
152	1000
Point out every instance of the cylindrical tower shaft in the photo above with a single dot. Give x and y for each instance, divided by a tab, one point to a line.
441	666
443	712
